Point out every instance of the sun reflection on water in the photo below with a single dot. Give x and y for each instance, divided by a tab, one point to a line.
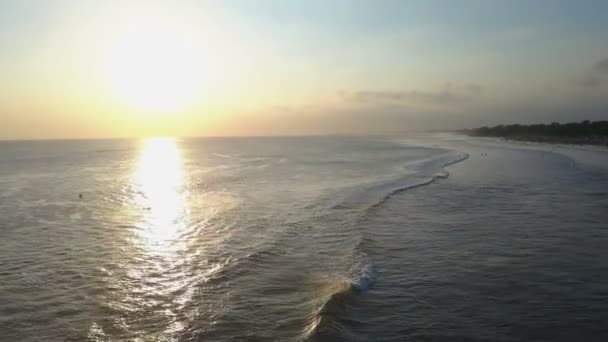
160	193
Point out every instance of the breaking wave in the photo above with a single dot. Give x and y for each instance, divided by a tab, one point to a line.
332	318
418	173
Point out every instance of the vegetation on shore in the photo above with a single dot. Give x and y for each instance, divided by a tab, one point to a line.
584	132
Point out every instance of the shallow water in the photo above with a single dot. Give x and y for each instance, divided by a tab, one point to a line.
288	239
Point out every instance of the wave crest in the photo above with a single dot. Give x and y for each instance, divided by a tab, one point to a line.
421	172
332	317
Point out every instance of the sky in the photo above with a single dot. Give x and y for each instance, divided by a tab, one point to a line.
96	69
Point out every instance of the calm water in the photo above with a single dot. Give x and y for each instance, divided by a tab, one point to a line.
302	239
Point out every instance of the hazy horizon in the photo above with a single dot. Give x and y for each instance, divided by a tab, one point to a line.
209	68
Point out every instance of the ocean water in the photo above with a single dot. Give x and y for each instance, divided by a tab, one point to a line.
415	238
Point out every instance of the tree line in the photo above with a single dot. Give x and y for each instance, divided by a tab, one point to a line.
583	129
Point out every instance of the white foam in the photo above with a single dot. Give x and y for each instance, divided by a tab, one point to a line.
416	174
366	276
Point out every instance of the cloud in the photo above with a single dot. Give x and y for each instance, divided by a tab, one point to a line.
474	88
518	34
280	108
602	65
447	94
598	76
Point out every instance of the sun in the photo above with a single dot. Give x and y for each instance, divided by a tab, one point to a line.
155	65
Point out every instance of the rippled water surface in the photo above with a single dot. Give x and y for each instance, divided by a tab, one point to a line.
302	239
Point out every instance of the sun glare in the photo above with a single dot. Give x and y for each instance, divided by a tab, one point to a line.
158	181
156	65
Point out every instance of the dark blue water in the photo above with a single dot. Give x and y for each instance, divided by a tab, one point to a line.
288	239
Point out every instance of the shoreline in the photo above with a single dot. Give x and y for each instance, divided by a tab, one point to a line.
589	141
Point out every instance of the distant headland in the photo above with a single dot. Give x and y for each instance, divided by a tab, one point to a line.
583	133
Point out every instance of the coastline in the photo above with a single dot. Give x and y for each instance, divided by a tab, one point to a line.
584	155
573	133
594	141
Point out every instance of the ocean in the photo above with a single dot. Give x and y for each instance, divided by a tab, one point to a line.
426	237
